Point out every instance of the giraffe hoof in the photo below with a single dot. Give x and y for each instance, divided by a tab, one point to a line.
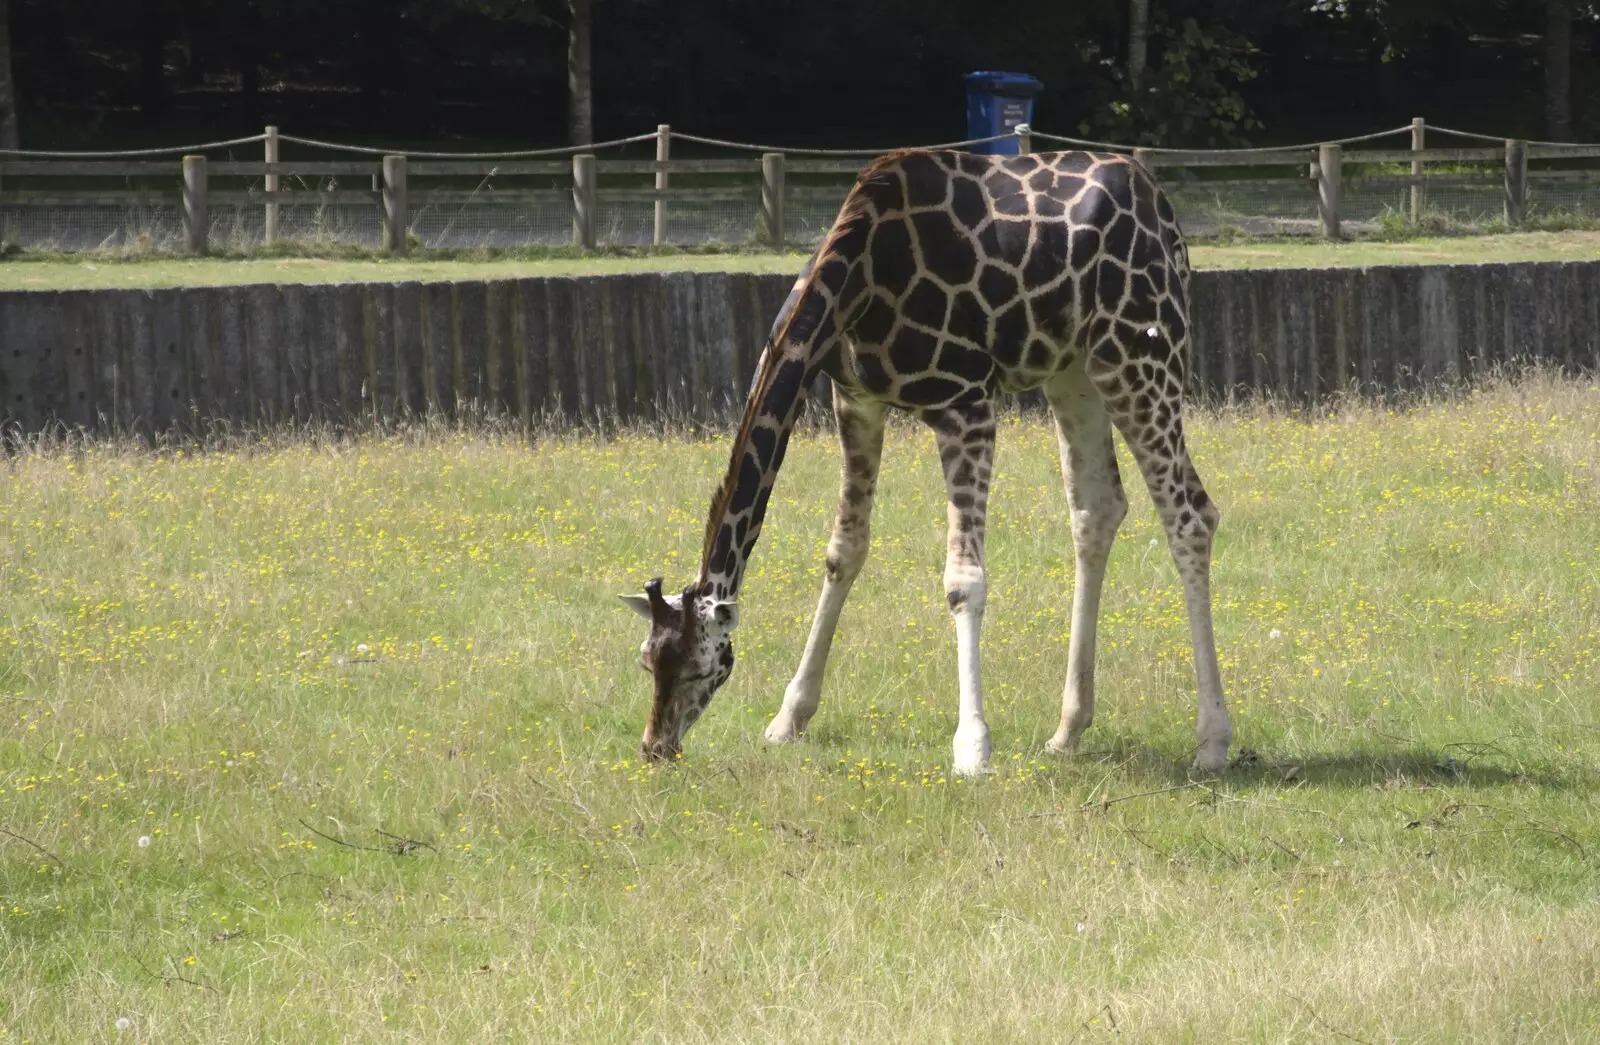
1061	744
971	751
1211	762
783	730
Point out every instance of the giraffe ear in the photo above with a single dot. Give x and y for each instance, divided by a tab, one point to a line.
639	603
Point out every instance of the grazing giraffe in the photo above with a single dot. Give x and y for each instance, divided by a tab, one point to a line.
947	279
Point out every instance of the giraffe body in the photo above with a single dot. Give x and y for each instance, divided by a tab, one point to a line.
948	279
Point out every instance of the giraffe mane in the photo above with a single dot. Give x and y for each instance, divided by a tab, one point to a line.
855	207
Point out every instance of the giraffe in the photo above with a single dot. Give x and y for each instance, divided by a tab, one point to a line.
946	279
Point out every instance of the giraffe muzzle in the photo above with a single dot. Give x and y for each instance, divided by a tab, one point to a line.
655	750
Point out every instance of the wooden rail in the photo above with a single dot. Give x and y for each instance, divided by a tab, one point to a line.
683	347
400	187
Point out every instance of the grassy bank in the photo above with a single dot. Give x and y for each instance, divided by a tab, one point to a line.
225	675
26	271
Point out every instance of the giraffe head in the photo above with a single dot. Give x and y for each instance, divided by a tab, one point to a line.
689	655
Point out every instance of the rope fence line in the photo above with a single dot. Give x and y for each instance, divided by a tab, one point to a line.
748	147
1434	128
710	198
1262	150
568	150
130	154
575	150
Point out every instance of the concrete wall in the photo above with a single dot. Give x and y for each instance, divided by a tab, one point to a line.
605	349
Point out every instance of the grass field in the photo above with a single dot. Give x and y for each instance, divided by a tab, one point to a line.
61	272
215	664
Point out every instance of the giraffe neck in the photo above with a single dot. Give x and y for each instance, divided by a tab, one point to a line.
805	332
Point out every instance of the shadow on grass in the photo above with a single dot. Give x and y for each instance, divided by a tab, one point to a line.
1459	765
1137	765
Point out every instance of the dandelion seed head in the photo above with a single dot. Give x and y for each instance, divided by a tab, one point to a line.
144	841
122	1024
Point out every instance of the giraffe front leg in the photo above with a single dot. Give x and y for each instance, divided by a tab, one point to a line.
966	451
861	441
1094	495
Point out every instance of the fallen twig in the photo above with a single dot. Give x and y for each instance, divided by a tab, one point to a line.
1280	845
341	841
404	846
1219	796
1107	803
994	850
1111	1020
1232	857
167	980
1507	829
1131	833
1324	1023
1529	824
36	845
295	874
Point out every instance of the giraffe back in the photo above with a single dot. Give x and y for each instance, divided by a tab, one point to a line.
981	274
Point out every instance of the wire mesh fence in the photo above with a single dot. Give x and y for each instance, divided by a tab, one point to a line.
722	199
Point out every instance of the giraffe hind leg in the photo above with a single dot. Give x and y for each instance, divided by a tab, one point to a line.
860	424
1095	498
1143	389
965	437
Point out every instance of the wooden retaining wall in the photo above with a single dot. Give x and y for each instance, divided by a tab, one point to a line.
609	349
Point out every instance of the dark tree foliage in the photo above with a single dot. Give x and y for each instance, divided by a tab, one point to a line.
784	71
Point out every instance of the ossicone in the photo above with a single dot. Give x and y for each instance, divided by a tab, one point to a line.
651	605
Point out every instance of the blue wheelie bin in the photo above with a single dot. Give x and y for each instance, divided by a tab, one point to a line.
996	104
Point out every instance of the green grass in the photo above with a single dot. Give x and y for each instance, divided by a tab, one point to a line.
64	272
26	271
223	650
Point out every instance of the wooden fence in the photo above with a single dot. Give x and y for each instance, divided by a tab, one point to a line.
390	183
395	184
609	350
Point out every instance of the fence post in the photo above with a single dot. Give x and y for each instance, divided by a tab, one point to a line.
583	187
1142	158
772	196
270	235
1024	138
1330	160
396	215
1516	182
196	223
663	154
1419	134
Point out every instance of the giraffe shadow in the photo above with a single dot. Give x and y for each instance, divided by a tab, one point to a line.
1461	766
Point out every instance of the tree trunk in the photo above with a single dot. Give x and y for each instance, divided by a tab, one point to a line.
8	90
152	58
1138	41
1558	70
249	49
580	80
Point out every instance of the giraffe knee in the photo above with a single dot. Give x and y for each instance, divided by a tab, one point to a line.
1099	519
966	589
847	552
1200	515
1206	508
